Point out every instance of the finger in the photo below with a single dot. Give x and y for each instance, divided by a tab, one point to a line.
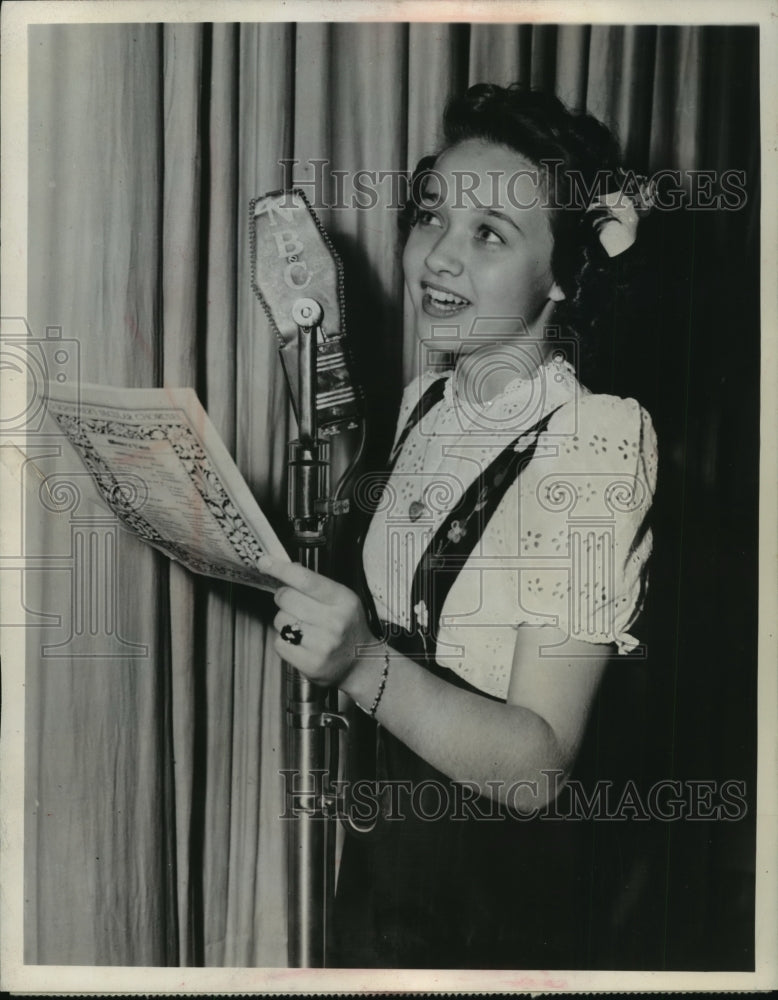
314	639
299	605
294	575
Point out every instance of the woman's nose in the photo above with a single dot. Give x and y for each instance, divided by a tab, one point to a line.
444	255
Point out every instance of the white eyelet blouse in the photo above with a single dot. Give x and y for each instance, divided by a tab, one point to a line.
568	544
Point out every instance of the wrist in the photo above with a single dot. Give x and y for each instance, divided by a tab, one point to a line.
367	678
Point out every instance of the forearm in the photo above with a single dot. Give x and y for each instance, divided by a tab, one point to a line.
463	734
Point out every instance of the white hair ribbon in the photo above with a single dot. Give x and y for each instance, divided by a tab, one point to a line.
619	213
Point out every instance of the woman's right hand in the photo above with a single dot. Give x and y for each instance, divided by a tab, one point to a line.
331	620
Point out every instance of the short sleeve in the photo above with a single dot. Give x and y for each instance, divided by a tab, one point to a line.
568	546
584	536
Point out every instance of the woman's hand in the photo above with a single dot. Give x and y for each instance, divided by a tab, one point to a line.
330	617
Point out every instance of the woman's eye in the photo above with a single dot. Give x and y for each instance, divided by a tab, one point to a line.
424	217
485	234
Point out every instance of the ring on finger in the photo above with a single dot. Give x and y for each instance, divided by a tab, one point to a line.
293	634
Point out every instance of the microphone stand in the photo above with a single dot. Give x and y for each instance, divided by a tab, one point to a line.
311	711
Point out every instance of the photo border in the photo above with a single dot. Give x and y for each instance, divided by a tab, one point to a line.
15	975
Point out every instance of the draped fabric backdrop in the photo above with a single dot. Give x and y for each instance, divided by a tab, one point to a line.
154	708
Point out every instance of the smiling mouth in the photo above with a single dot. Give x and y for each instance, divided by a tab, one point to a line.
438	302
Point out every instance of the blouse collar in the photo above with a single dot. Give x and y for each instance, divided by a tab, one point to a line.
552	383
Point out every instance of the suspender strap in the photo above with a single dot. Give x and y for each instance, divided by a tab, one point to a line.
431	397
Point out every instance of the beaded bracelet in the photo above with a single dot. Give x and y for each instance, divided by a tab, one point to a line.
382	685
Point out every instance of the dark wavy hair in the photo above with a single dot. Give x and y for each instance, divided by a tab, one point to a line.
578	158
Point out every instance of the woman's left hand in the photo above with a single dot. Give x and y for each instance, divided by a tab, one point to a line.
330	617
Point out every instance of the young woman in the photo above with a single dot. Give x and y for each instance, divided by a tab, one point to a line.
506	559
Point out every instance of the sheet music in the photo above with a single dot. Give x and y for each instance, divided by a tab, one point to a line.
161	467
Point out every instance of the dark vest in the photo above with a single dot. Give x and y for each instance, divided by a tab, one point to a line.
438	882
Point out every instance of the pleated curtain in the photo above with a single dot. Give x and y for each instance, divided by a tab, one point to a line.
154	740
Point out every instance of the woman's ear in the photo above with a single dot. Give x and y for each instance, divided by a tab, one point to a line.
556	294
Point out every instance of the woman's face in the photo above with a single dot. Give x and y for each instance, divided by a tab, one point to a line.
477	262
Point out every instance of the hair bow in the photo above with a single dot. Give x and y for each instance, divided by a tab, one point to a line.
618	212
